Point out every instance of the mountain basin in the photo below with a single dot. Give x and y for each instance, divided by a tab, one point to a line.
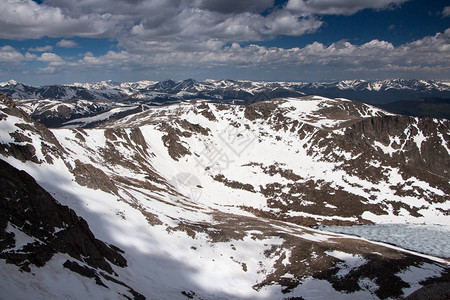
432	240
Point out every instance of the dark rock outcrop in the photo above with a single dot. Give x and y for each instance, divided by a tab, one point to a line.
52	227
432	155
92	177
7	101
173	142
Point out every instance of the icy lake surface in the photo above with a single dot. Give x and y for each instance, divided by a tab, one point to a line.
427	239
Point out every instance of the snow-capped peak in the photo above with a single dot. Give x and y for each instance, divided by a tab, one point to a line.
8	83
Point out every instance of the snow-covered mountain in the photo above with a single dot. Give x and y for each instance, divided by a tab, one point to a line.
202	200
59	105
380	92
162	92
78	113
247	91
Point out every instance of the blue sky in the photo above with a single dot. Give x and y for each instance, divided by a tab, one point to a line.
65	41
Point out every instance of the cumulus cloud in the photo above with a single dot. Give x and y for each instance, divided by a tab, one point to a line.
131	22
339	7
9	54
21	19
47	70
50	58
30	56
67	44
235	6
117	8
110	59
181	22
375	55
446	11
205	33
195	28
41	49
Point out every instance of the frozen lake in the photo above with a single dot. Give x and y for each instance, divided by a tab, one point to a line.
427	239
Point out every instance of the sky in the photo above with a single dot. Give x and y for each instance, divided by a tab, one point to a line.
66	41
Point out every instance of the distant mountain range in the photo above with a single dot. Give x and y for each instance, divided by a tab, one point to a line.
90	103
372	92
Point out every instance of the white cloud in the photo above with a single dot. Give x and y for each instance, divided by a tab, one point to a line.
339	7
180	23
30	56
111	58
375	55
67	44
206	33
50	58
446	11
9	54
194	28
233	6
286	23
176	24
41	49
234	20
47	70
21	19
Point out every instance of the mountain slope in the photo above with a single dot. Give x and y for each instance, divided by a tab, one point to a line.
310	148
37	232
206	200
75	113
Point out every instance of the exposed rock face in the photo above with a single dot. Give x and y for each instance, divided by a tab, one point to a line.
28	210
259	110
7	101
23	147
92	177
194	128
394	131
173	143
52	228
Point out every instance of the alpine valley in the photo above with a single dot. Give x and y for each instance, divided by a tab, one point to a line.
219	190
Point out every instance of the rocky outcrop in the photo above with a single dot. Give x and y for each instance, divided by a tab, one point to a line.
173	142
399	132
261	110
7	101
52	228
92	177
23	147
